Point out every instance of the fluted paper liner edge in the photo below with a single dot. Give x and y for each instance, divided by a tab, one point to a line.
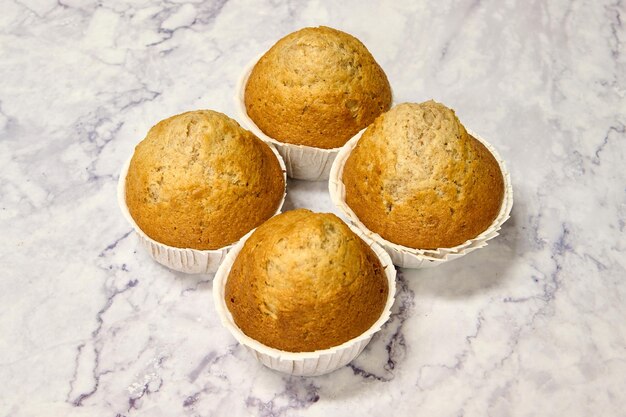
187	260
406	257
303	363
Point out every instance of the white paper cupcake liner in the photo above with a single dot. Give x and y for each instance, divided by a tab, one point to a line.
303	162
404	256
188	260
302	363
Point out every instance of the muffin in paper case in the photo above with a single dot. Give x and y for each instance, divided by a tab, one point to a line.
188	260
407	257
303	363
302	162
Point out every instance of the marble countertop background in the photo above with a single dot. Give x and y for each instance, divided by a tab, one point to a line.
534	324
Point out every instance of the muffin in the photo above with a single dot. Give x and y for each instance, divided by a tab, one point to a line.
418	179
198	180
316	87
305	282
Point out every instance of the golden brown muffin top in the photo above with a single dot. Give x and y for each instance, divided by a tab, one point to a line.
417	178
198	180
304	281
316	87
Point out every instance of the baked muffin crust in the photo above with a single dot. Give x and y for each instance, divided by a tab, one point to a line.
198	180
304	281
417	178
316	87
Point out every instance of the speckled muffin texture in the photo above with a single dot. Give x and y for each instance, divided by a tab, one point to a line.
198	180
304	281
418	179
316	87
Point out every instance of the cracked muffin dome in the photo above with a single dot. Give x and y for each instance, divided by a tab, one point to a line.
304	281
316	87
418	179
198	180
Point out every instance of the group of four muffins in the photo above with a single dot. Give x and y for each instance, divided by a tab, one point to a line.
409	177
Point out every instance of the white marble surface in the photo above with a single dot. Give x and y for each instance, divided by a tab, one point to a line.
534	324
